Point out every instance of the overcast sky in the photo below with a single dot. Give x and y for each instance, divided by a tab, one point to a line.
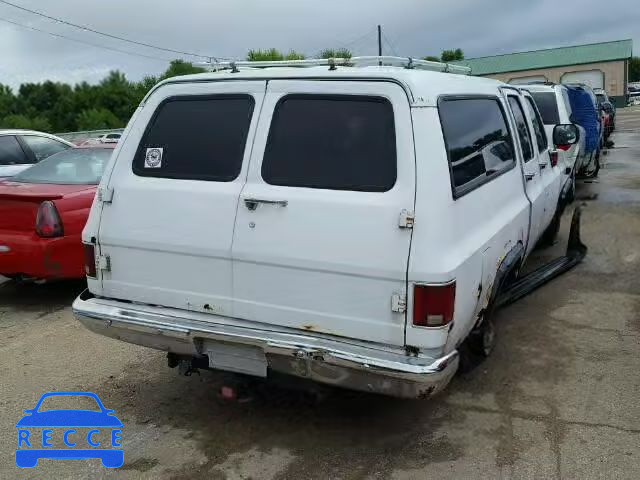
229	28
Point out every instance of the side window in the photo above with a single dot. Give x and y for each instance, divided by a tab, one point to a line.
337	142
538	128
11	152
196	138
43	147
478	142
523	130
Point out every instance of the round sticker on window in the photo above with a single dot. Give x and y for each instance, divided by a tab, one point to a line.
153	158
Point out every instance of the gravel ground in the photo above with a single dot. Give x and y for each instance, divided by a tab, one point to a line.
558	399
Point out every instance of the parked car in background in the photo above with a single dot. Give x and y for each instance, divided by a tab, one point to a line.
19	149
609	109
109	138
352	226
553	103
586	112
42	213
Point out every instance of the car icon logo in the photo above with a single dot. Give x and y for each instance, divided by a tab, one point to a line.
37	429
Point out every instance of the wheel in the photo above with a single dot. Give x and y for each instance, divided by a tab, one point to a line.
596	167
478	346
26	459
571	195
551	233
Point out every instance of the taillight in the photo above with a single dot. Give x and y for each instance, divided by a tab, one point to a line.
564	148
48	222
433	305
89	259
554	158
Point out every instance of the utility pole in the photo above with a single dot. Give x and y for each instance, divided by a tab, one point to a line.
380	44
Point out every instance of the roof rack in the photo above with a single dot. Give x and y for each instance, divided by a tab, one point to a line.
334	63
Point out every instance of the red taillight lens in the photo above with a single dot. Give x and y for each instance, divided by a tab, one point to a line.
89	259
433	305
564	148
554	158
48	223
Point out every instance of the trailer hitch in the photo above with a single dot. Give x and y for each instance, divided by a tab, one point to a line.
523	286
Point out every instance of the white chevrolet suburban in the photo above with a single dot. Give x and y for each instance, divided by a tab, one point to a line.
347	224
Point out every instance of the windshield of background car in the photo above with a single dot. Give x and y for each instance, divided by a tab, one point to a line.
82	166
548	107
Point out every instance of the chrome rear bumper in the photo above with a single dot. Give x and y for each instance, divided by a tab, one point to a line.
322	358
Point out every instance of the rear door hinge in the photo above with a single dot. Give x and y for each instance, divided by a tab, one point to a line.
399	303
105	195
406	219
103	262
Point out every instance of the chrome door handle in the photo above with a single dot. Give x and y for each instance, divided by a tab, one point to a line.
252	203
543	165
529	176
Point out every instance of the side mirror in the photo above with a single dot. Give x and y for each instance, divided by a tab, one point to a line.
565	135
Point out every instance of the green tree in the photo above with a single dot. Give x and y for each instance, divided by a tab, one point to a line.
97	118
180	67
431	58
7	101
259	55
22	121
634	69
452	55
293	55
335	53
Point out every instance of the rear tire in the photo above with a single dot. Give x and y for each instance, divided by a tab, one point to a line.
478	346
549	236
571	196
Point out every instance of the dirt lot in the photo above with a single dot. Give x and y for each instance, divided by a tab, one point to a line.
558	399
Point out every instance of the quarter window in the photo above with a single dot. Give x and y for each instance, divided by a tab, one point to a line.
11	152
538	127
43	147
523	130
337	142
479	145
197	138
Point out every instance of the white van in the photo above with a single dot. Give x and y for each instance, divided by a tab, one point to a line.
553	103
346	224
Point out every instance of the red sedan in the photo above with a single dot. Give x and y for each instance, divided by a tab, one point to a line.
43	211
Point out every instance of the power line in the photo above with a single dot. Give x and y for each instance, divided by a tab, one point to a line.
109	35
82	41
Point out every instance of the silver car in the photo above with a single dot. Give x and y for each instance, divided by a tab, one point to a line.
19	149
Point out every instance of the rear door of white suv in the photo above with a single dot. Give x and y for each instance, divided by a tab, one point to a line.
168	228
317	244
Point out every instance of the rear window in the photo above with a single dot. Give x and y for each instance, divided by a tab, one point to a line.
197	138
479	145
337	142
81	166
547	106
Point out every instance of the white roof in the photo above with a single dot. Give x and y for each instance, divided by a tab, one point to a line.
538	87
18	131
423	87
